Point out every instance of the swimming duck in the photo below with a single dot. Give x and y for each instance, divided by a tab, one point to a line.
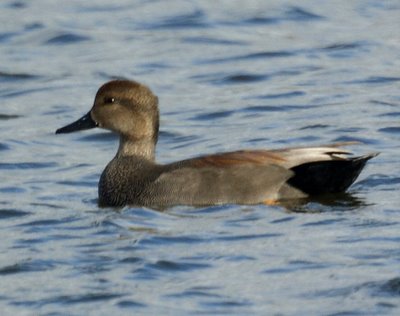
133	177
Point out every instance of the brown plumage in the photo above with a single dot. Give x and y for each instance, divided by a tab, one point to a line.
242	177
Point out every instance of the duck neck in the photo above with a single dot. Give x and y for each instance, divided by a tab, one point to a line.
144	148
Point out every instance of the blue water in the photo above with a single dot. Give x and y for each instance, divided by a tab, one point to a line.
229	75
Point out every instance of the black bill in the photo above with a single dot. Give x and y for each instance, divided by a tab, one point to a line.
85	122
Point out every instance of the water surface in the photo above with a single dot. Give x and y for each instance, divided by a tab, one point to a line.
229	75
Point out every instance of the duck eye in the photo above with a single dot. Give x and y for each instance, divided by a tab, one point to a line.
109	100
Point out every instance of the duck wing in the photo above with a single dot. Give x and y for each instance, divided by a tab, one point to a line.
258	176
241	177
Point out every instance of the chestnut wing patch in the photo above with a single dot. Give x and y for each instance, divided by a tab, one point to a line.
257	157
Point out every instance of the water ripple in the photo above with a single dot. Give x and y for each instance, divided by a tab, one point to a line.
378	180
384	288
8	213
70	299
4	37
6	117
241	78
247	237
4	147
14	76
391	287
67	38
295	266
213	115
252	56
390	130
183	239
27	266
391	114
26	165
99	137
294	14
196	19
285	95
17	5
211	41
342	46
374	80
197	292
130	304
315	126
171	266
226	304
276	108
301	14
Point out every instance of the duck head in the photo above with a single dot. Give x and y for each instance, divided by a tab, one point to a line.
122	106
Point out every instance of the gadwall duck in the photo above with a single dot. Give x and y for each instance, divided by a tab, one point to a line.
242	177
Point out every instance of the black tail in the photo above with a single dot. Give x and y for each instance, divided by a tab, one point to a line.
328	176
